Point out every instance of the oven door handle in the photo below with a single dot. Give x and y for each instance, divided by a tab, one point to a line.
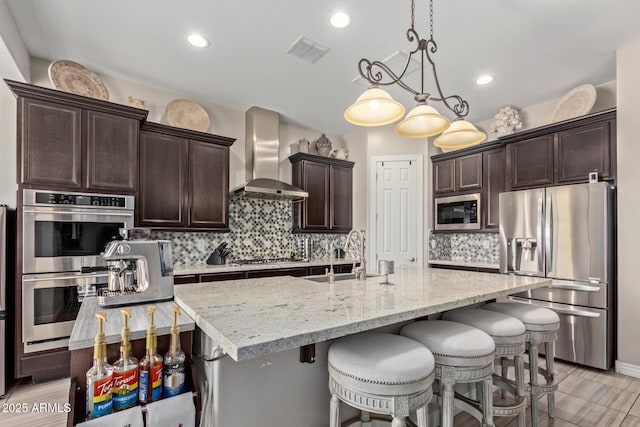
584	288
79	212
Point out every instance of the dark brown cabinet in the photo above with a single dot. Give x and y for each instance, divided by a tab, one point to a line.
531	162
184	179
563	153
71	142
494	183
329	183
556	154
584	150
301	271
461	174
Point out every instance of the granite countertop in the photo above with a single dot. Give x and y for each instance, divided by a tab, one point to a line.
182	270
257	317
86	325
464	263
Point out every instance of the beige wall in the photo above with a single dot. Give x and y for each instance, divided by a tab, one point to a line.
224	121
628	70
540	114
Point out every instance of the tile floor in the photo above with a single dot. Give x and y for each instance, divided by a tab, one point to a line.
585	398
23	397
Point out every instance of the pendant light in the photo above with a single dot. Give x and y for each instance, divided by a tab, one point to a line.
376	107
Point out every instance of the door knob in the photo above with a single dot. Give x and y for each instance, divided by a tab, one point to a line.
412	259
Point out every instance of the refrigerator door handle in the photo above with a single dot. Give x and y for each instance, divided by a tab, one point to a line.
580	313
548	235
584	288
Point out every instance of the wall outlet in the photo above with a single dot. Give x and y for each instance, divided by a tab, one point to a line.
485	244
200	245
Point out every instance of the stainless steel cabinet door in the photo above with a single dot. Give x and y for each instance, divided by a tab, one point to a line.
578	231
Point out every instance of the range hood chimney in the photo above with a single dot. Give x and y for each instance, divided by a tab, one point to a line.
262	159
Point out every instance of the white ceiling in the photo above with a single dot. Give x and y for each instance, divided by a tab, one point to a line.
536	49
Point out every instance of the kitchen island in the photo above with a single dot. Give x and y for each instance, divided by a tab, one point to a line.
249	332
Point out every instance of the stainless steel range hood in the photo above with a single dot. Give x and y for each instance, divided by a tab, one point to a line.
262	159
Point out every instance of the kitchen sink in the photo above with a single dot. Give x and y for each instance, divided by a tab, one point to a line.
337	277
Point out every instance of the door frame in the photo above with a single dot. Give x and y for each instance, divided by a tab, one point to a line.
418	158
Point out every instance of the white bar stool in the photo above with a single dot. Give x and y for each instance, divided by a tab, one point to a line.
463	354
380	373
542	328
509	336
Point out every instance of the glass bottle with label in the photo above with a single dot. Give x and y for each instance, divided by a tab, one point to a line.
173	372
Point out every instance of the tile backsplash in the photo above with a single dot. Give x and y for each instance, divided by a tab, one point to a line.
258	229
466	247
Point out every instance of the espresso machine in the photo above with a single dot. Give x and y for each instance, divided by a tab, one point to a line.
140	270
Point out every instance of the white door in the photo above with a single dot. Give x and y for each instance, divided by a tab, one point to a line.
397	233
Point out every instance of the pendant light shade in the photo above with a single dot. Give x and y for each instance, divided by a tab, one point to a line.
461	134
375	107
421	122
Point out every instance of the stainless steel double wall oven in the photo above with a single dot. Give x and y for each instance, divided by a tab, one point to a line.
63	236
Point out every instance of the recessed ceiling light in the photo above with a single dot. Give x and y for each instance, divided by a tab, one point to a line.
197	40
483	80
340	20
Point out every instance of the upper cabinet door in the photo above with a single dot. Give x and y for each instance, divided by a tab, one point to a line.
469	172
583	150
494	184
341	198
316	207
112	152
531	162
50	144
208	185
444	173
163	186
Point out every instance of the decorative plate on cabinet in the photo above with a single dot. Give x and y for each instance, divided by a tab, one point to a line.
577	102
72	77
186	114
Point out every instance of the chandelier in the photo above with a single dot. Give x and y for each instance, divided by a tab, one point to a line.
375	107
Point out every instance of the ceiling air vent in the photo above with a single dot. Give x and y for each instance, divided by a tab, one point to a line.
307	50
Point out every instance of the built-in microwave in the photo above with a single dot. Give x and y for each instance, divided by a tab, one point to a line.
458	212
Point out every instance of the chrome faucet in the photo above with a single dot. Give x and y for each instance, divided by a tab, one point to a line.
360	271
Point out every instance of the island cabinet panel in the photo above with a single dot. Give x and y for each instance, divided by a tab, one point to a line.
50	143
162	182
494	183
329	182
530	162
184	179
586	149
72	142
112	152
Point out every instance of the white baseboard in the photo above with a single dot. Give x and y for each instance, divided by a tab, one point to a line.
627	369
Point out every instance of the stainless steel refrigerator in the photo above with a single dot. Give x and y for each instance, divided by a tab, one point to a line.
566	234
7	260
